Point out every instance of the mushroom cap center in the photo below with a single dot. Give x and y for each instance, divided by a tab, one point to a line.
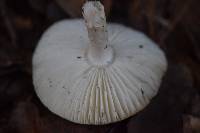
105	57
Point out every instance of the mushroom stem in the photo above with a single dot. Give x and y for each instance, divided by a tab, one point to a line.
99	51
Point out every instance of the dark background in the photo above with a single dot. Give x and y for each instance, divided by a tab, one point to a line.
173	24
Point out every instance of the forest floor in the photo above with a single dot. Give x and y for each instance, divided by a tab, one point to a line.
174	25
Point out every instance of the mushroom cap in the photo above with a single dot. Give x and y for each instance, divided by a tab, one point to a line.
72	87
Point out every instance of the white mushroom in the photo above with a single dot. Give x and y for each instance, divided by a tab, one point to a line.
91	76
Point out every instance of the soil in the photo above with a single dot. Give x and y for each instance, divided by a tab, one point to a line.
174	25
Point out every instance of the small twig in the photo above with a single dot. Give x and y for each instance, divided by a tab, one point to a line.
160	20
